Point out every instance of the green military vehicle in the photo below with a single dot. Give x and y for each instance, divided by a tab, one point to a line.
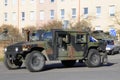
66	46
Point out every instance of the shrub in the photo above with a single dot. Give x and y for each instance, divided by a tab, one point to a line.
30	28
82	25
52	25
13	32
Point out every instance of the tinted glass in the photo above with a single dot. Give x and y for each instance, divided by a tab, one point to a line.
47	35
110	42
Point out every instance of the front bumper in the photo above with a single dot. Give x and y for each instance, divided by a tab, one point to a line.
12	52
113	50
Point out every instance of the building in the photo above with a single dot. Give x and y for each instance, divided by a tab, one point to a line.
19	13
46	11
103	11
22	13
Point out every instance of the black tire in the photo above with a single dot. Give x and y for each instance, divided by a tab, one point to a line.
119	51
68	63
93	58
112	52
34	61
11	64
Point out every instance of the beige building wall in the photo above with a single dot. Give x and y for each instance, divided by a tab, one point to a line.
104	21
68	5
8	9
30	9
14	9
46	6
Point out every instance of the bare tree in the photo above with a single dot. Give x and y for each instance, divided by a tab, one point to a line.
52	25
117	18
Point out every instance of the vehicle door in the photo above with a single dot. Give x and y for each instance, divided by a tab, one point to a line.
78	45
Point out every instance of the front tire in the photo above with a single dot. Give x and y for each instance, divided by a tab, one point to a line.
68	63
10	64
93	59
34	61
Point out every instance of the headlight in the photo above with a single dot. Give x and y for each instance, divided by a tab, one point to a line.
25	49
107	48
16	49
5	49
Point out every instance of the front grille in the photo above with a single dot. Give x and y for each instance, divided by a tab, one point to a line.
12	48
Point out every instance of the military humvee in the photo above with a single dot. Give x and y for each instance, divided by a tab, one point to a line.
66	46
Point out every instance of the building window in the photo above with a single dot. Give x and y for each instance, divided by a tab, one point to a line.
85	12
51	14
6	16
62	13
6	2
23	16
41	1
52	1
41	15
98	11
23	2
112	10
73	12
32	15
14	2
14	16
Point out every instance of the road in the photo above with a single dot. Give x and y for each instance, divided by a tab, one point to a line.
56	71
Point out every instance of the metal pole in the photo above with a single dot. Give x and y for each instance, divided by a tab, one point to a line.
18	16
79	11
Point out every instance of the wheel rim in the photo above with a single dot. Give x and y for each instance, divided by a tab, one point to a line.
37	61
94	59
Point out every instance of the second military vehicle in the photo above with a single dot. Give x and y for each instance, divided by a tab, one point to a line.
66	46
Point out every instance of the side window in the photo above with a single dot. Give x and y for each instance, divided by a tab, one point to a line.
80	38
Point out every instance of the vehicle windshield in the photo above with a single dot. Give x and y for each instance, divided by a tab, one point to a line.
35	36
110	42
47	35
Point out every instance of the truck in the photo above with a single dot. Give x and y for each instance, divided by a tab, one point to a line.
66	46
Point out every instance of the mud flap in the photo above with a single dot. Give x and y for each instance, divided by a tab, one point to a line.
104	58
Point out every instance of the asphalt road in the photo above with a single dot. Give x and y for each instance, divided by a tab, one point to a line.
56	71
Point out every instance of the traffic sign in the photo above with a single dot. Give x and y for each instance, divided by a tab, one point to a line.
112	32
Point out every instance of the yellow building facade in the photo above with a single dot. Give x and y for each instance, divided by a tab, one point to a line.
103	11
22	13
19	13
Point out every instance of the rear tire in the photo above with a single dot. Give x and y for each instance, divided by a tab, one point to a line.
93	59
34	61
68	63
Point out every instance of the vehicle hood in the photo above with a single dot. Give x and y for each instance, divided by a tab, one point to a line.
110	47
26	43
